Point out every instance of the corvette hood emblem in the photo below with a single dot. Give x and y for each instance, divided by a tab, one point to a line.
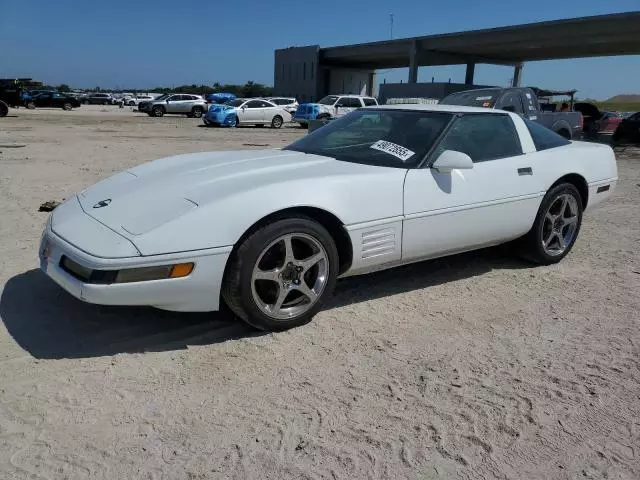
102	203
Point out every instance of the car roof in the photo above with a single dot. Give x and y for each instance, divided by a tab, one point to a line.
438	108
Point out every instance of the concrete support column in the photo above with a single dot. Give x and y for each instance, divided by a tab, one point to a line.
413	63
517	75
468	78
370	78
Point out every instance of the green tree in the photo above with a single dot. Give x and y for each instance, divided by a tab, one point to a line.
63	87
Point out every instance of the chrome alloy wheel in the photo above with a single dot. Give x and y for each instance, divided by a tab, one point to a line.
560	225
289	276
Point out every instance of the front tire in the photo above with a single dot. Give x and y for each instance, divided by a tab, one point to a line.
157	111
556	227
277	122
281	274
67	106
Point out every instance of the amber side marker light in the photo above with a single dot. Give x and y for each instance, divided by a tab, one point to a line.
181	270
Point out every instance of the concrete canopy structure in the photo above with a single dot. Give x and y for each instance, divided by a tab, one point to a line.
603	35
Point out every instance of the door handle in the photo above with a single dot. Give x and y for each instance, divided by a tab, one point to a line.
525	171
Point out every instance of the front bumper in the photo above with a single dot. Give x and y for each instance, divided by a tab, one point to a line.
197	292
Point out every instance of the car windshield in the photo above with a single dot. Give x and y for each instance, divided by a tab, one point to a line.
473	98
386	138
328	100
163	97
235	103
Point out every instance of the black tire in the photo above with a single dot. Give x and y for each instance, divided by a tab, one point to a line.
31	106
132	103
67	106
4	109
531	245
237	288
197	112
105	103
157	111
277	122
323	117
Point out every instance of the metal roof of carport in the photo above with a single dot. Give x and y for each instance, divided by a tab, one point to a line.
603	35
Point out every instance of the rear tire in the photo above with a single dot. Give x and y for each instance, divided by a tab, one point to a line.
556	226
132	103
197	112
31	106
277	122
67	106
4	109
275	284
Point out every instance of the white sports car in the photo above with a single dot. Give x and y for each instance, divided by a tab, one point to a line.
270	231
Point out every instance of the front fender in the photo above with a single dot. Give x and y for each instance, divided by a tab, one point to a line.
351	198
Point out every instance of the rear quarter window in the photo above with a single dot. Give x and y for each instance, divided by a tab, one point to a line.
543	138
368	102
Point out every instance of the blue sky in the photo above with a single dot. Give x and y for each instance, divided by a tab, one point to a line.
138	43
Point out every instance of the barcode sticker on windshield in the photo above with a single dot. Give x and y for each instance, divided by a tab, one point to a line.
394	149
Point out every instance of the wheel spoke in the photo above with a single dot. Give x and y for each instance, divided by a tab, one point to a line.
306	291
288	250
549	239
561	241
282	295
550	218
307	263
571	220
563	208
271	275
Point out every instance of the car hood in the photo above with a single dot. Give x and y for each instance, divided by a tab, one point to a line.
143	201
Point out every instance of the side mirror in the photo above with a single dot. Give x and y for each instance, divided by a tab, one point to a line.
450	160
167	100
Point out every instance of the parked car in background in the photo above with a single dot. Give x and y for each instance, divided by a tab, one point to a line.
220	97
598	125
247	111
270	231
290	104
174	103
135	100
100	99
331	106
628	130
522	101
54	100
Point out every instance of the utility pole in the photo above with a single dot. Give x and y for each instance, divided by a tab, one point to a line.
391	25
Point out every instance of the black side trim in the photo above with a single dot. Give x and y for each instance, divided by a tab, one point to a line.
603	188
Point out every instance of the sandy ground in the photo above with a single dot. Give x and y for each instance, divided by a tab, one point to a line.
477	366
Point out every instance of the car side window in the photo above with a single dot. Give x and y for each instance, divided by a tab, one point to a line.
635	117
368	102
349	102
543	138
483	137
265	104
512	102
254	104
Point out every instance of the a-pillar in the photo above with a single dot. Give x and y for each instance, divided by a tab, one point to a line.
413	62
370	80
468	78
517	75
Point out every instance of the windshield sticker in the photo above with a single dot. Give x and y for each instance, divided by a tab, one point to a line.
396	150
486	104
484	98
528	95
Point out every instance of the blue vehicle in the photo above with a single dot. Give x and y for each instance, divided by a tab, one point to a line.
219	97
223	114
330	107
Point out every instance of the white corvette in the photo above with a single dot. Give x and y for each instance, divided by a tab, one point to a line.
269	231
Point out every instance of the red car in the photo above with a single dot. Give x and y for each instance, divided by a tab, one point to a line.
597	123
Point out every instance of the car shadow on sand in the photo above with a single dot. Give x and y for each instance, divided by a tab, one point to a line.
49	323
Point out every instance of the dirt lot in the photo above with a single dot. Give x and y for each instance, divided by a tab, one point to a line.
477	366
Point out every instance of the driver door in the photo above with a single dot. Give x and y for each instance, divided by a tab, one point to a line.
173	104
494	201
346	105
